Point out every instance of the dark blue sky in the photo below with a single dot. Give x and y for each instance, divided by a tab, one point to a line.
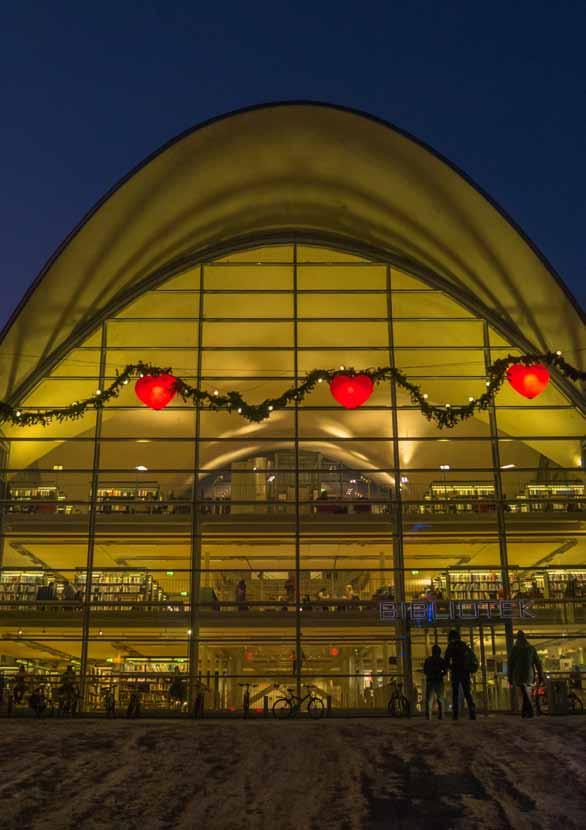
88	90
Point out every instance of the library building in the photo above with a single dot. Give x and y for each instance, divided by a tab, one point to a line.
293	401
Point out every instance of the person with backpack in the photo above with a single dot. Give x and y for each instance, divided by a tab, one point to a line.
434	670
462	663
524	664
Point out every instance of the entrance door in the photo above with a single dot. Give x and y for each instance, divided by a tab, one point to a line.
489	684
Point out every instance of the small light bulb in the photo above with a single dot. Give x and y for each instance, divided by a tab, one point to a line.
125	381
470	398
342	368
559	354
270	408
448	405
216	392
487	383
18	413
141	375
425	395
240	411
320	380
98	391
189	632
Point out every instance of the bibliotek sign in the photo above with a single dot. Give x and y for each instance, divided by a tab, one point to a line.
423	611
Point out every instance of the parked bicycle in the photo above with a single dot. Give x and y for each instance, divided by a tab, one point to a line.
289	706
541	701
398	706
246	698
67	700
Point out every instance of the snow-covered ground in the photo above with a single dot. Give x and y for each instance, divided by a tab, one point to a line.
370	773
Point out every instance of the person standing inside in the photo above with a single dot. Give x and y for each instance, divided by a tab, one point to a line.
19	687
240	595
434	670
462	663
524	664
290	588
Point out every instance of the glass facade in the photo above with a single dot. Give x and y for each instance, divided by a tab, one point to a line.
189	550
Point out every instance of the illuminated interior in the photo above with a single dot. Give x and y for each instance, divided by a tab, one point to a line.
141	545
297	507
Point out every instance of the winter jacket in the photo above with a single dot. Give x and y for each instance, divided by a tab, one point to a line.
434	669
522	664
456	658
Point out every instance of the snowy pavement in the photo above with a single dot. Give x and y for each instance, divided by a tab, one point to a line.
344	774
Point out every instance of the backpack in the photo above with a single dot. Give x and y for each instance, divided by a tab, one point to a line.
471	661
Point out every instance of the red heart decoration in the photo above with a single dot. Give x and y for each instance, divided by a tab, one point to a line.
529	381
351	390
156	391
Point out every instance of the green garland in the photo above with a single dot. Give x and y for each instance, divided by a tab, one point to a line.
447	415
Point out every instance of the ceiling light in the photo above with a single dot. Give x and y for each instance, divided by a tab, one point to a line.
444	466
143	440
508	466
141	468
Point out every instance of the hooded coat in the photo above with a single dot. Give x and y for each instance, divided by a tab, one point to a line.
523	663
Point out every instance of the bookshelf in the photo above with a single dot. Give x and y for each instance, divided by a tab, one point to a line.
522	584
570	491
567	584
39	498
128	497
440	492
123	675
120	588
478	585
21	586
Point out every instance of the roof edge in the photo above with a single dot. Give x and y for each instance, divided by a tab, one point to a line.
288	103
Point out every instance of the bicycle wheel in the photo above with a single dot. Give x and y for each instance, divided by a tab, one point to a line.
575	704
282	708
316	708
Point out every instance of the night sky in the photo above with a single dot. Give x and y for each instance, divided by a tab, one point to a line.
89	89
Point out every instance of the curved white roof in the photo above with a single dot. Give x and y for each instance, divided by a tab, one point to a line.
284	170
